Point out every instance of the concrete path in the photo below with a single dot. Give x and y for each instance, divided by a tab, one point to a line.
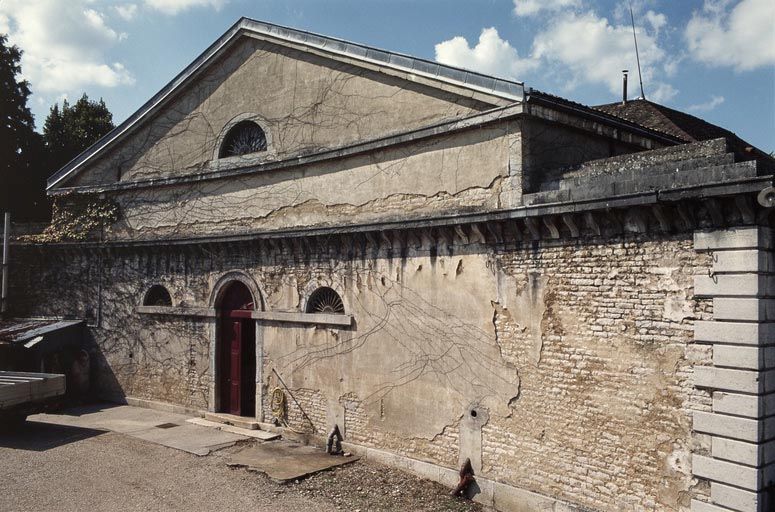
164	428
283	461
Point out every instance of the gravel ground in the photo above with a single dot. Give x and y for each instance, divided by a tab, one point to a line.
49	467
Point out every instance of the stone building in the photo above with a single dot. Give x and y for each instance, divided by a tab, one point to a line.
447	265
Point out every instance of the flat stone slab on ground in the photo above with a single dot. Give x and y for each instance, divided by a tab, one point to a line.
283	460
164	428
257	434
230	419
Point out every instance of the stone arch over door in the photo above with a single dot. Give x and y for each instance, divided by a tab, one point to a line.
236	345
236	275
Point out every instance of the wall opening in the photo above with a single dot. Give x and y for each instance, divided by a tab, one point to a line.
236	366
243	138
157	295
325	300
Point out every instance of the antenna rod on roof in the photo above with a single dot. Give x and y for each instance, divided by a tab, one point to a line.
637	56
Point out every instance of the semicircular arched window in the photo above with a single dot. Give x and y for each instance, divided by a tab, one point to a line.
157	295
243	138
325	300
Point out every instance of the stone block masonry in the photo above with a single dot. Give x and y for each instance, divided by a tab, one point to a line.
741	464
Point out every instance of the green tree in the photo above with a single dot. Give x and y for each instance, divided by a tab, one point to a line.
71	129
19	144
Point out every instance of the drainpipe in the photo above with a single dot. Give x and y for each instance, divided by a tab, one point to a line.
6	244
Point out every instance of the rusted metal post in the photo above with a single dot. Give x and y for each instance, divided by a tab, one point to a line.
466	477
6	244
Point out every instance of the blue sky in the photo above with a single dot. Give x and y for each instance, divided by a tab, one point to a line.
712	58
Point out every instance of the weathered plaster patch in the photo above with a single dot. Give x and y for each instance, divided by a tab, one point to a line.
525	299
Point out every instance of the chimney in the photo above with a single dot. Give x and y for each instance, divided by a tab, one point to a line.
624	86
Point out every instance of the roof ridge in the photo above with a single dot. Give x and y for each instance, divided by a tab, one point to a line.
390	52
598	108
530	92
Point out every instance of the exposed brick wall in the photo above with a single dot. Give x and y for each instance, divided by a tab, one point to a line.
605	418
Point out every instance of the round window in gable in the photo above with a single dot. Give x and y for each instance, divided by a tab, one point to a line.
243	138
325	300
157	295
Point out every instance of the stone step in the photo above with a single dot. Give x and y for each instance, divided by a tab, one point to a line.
257	434
230	419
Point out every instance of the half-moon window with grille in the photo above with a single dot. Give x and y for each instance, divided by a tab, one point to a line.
243	138
325	300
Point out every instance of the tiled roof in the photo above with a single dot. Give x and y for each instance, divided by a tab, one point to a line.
681	125
554	101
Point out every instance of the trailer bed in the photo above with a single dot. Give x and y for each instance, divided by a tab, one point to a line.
18	389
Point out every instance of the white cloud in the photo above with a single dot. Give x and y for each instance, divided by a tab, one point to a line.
533	7
126	11
742	38
709	105
589	49
661	92
491	55
656	20
175	6
64	44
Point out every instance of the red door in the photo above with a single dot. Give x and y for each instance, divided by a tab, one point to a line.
235	366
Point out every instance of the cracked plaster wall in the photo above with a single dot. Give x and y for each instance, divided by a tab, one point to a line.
306	102
459	172
579	354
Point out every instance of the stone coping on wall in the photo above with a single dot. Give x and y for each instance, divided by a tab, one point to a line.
265	316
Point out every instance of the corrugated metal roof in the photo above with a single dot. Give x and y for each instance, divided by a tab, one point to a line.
21	330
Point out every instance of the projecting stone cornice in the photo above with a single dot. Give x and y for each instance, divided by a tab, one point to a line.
675	210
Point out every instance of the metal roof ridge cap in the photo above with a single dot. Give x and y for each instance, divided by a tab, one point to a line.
361	45
499	92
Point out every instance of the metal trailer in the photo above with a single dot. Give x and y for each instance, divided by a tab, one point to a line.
25	393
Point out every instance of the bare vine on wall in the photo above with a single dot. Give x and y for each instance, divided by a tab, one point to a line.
77	217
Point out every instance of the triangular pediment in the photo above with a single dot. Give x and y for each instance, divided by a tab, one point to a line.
308	92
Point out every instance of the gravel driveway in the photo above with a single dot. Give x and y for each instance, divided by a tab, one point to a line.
53	467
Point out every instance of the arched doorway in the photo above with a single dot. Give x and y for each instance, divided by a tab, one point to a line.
237	351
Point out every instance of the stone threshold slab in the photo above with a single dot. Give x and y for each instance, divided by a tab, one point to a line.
244	422
256	434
